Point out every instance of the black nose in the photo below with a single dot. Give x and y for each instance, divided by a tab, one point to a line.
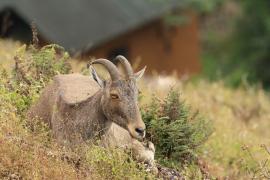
140	131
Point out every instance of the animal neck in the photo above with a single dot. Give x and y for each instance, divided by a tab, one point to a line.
98	124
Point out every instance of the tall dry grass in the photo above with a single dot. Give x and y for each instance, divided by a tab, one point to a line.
239	146
237	149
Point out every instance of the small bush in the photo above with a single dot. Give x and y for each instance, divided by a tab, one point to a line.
34	68
174	129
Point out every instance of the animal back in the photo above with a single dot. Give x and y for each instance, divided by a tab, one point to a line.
75	88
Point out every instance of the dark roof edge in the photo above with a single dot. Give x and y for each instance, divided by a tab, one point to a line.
130	29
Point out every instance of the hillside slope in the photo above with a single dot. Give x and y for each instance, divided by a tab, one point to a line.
238	148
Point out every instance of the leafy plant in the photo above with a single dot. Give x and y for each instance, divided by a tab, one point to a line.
34	68
175	129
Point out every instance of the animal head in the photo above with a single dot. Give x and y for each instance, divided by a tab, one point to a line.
120	96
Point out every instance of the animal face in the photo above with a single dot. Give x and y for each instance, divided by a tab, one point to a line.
120	105
119	101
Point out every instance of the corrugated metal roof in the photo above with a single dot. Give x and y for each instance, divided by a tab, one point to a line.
82	24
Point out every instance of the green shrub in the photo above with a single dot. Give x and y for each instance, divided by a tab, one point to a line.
34	68
174	129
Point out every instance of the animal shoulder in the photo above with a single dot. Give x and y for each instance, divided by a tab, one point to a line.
75	88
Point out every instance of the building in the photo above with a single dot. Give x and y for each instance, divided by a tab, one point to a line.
136	29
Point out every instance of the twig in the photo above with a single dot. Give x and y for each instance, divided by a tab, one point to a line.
20	71
35	40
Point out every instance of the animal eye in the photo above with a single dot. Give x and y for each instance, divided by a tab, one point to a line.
114	96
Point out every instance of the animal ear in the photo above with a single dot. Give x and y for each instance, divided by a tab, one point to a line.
95	76
139	74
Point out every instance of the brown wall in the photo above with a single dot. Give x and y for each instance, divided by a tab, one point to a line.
161	48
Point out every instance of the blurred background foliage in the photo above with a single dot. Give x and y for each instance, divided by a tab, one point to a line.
240	54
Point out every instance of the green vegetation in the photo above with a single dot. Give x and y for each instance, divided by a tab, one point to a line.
249	44
33	69
240	120
115	164
240	54
237	145
174	129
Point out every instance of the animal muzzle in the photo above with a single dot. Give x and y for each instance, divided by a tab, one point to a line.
137	130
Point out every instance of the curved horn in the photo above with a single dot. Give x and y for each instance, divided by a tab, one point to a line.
127	67
113	71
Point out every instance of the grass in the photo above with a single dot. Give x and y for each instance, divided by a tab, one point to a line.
33	154
238	148
27	149
240	117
